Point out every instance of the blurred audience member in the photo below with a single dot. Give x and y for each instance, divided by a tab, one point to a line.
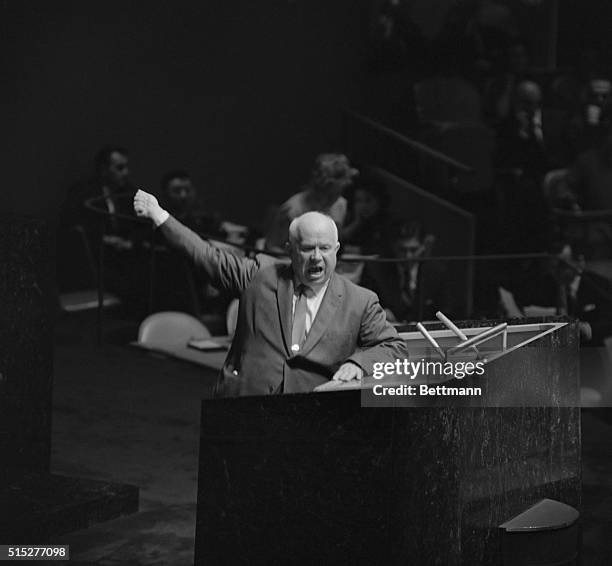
331	176
181	199
522	161
590	184
409	290
473	35
82	230
367	222
397	42
195	294
567	87
568	287
500	89
590	121
558	192
585	295
521	134
532	138
597	100
591	176
112	186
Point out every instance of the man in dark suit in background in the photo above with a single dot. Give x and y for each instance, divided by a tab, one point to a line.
180	198
111	179
299	325
409	290
81	230
567	284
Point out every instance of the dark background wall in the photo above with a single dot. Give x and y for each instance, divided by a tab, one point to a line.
241	94
583	25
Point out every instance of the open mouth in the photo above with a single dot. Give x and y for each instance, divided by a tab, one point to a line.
315	270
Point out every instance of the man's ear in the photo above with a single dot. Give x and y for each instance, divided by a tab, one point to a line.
288	247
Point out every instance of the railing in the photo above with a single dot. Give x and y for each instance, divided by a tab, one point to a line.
489	268
376	144
410	143
152	249
582	216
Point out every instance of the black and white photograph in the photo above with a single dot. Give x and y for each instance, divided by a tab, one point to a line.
320	282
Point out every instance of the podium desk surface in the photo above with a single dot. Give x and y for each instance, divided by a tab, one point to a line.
518	335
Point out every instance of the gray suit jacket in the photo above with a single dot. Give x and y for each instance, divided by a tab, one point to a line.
350	324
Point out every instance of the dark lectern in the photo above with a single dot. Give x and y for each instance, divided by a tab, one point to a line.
317	478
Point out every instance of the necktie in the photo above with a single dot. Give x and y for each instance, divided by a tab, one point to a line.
112	209
298	332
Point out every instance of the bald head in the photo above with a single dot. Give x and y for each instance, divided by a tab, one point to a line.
313	244
527	97
529	91
312	221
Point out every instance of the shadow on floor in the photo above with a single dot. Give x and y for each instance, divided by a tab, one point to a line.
126	416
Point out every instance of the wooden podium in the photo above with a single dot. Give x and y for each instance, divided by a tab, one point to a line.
317	478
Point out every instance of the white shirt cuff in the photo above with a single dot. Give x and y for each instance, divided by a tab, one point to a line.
160	218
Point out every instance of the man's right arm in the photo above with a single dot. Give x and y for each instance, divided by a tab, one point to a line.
225	269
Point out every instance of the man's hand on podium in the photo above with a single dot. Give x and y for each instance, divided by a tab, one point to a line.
347	372
348	376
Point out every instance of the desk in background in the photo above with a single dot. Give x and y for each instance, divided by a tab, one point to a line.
212	359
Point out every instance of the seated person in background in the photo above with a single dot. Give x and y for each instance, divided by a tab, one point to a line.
521	144
111	180
365	230
590	180
565	285
587	126
197	296
180	198
511	68
299	325
111	184
523	156
591	175
558	190
332	174
409	290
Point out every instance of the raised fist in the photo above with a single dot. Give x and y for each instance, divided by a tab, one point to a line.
146	206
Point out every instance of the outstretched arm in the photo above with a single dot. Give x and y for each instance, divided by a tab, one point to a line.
225	269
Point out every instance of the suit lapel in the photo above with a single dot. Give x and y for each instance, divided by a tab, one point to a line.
284	302
325	314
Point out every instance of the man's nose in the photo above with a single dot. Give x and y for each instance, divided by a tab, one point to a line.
316	253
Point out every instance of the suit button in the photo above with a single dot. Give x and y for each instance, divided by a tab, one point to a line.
295	348
235	372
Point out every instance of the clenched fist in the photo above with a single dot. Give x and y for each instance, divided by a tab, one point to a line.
146	206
